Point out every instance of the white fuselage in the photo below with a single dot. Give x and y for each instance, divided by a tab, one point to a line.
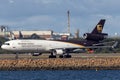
26	45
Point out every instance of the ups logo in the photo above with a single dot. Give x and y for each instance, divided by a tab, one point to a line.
99	28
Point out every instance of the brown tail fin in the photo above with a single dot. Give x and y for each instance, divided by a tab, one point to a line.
99	27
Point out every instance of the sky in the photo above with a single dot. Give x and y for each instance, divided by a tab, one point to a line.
52	15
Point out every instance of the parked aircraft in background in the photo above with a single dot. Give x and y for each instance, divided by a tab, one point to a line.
60	47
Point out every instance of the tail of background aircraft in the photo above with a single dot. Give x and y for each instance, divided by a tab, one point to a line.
20	35
96	34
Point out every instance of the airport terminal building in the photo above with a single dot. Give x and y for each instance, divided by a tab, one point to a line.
43	34
48	34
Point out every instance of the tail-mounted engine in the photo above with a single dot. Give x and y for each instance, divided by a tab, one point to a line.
95	37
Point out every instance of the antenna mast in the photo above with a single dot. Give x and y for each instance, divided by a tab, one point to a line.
68	13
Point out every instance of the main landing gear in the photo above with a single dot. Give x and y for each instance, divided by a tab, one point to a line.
52	56
65	55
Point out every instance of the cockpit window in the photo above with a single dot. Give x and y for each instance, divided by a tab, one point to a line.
7	44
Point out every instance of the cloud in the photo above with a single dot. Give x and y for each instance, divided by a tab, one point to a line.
52	14
49	1
11	1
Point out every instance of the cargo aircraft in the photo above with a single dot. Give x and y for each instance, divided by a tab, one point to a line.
60	47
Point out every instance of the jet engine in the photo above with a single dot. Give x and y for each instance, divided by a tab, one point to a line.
58	51
95	37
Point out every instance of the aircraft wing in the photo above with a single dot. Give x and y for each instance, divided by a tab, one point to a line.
95	46
102	45
90	49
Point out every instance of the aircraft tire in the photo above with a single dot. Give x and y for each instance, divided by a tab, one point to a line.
61	56
52	56
67	56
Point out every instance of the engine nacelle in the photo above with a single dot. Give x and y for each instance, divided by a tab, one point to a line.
95	37
58	51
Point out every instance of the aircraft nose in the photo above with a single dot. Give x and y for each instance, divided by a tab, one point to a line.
2	46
